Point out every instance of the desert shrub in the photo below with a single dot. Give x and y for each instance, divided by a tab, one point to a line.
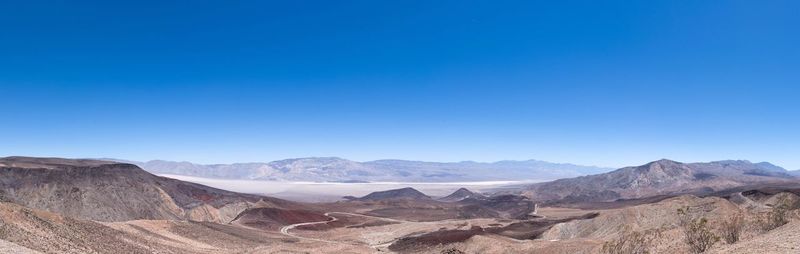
696	232
452	251
777	216
732	228
632	242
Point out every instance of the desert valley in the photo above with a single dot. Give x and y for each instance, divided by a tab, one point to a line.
415	126
52	205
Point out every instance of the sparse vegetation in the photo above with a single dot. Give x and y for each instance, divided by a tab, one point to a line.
777	216
732	228
452	251
632	242
696	232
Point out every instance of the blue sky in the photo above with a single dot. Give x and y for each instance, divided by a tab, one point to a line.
613	84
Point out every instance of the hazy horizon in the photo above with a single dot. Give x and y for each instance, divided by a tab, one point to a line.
460	126
379	159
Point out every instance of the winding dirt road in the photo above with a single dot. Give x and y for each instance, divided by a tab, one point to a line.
285	229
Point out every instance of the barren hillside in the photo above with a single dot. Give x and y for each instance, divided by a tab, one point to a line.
659	178
109	191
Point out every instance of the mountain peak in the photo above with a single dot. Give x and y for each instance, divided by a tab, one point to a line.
460	194
663	162
661	166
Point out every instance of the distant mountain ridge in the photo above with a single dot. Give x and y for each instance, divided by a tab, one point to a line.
662	177
332	169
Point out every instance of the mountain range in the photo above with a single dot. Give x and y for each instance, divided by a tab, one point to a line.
663	177
53	205
332	169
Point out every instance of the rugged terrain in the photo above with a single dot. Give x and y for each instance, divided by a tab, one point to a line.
52	205
663	177
110	191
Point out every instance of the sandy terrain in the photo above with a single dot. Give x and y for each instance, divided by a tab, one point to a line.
9	247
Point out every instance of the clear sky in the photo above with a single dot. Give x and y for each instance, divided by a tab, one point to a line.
609	83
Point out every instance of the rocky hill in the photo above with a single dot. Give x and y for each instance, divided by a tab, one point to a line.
663	177
461	194
408	203
404	193
111	191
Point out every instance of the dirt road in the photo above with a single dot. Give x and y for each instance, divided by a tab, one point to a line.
285	229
